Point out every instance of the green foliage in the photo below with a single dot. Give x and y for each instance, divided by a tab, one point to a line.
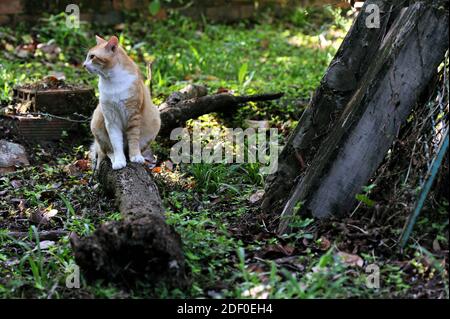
240	58
306	19
154	7
75	41
364	198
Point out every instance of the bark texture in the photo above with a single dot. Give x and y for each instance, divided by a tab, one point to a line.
141	245
397	77
344	75
174	114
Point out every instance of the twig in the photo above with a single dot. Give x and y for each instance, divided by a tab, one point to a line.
359	228
149	77
86	119
43	235
258	97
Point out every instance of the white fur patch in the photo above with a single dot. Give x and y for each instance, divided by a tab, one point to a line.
137	159
114	91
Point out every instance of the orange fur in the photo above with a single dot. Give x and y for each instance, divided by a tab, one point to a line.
125	118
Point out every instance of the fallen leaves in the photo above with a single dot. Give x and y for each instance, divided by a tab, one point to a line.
157	170
221	90
276	251
324	243
350	259
257	292
42	217
256	197
46	244
51	213
166	166
77	167
16	184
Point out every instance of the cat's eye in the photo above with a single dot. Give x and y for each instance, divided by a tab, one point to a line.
91	56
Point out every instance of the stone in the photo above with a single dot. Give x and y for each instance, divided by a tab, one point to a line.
11	155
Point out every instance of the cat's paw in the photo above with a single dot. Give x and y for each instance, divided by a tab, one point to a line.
137	159
118	164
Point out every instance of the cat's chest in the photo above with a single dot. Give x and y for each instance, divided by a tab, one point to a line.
113	97
115	113
115	91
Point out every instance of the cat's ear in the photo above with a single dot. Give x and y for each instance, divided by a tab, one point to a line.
112	43
99	40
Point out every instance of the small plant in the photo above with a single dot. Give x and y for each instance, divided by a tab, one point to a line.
364	197
210	178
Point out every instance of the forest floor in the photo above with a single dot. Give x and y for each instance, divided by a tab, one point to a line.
229	251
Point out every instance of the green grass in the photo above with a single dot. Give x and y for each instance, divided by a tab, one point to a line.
244	58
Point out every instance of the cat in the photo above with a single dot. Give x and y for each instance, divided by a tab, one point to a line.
125	118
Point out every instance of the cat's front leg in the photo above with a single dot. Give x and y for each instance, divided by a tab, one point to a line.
133	136
116	139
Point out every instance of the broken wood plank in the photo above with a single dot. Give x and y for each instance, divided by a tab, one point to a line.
66	101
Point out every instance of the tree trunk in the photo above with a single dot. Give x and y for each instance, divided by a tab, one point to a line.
346	71
398	75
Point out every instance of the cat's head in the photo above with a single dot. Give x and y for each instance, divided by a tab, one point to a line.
103	56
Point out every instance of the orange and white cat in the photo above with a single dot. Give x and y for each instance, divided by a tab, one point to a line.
125	119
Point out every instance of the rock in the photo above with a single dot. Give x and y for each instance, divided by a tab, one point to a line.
256	197
11	155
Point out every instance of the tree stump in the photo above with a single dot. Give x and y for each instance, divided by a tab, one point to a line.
341	80
396	78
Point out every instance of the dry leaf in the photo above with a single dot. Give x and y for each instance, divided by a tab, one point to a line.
257	292
22	205
157	170
256	197
224	90
324	243
168	165
46	244
276	251
82	165
350	259
51	213
436	245
16	184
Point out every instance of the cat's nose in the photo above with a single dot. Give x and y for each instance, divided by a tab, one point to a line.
84	64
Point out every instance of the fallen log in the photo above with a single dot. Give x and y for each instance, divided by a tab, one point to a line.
42	235
176	113
341	80
142	245
397	77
